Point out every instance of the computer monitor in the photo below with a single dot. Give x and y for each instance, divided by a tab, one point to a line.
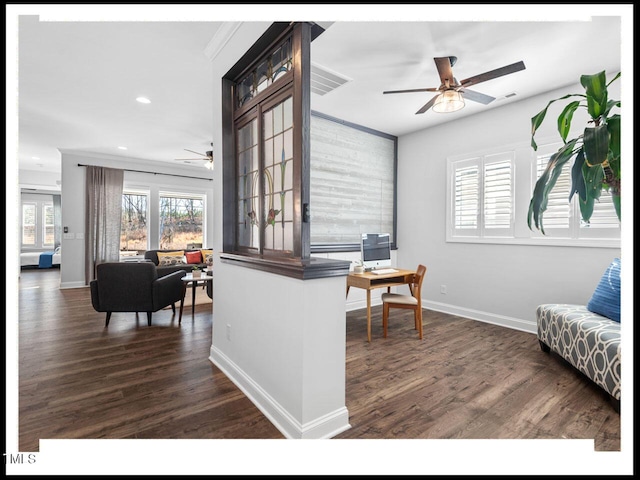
375	249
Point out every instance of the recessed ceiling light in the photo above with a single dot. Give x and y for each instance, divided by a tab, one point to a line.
143	100
122	148
35	158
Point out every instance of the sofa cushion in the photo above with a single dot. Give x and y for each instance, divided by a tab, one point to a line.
207	256
171	258
193	257
605	300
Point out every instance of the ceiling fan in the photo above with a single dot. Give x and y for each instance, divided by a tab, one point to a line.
452	93
207	157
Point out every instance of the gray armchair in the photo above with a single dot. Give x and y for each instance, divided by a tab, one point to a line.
134	287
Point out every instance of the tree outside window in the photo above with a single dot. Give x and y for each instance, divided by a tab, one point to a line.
133	233
181	219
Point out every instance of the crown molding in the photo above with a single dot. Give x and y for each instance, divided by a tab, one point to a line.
220	39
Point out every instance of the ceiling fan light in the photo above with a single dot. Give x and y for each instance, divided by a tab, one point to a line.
448	101
209	165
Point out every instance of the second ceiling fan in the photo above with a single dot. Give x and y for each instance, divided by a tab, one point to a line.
207	156
452	93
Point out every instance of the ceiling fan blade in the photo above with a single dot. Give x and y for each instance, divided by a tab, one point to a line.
443	64
413	90
476	96
197	153
498	72
191	159
427	105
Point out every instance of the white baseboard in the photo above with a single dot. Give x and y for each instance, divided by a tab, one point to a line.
501	320
358	304
327	426
73	285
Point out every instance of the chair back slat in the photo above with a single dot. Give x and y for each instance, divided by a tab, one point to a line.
418	278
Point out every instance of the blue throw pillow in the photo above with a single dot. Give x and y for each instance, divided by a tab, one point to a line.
605	300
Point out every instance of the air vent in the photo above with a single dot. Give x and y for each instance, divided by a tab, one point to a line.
324	80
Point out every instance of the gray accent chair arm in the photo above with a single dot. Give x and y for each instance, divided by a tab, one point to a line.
168	289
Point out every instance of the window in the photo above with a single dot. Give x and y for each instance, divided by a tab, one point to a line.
181	219
562	218
133	232
482	196
352	183
489	194
48	225
29	224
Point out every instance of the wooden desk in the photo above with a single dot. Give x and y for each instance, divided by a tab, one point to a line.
369	281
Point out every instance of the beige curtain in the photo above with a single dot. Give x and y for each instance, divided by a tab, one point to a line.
103	214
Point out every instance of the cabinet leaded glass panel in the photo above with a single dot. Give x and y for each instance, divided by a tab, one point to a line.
278	176
265	74
248	188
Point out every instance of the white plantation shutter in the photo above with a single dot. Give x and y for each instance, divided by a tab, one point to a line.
488	202
562	218
482	201
604	213
467	197
558	208
498	196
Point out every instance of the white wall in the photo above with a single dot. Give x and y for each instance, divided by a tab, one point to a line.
73	200
500	284
40	180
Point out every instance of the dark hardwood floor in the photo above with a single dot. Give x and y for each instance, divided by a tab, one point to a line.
465	380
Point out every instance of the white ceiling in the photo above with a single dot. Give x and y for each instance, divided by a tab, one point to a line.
78	80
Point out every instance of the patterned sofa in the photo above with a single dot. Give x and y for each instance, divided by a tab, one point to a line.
587	340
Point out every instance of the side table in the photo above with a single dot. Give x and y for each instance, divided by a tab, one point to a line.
186	280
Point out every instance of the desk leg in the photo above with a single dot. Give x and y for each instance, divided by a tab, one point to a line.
184	292
369	315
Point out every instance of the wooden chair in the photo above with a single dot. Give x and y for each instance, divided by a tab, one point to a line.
412	302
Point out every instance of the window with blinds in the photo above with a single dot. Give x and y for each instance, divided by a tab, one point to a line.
482	202
498	192
352	183
558	211
488	202
563	217
467	198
